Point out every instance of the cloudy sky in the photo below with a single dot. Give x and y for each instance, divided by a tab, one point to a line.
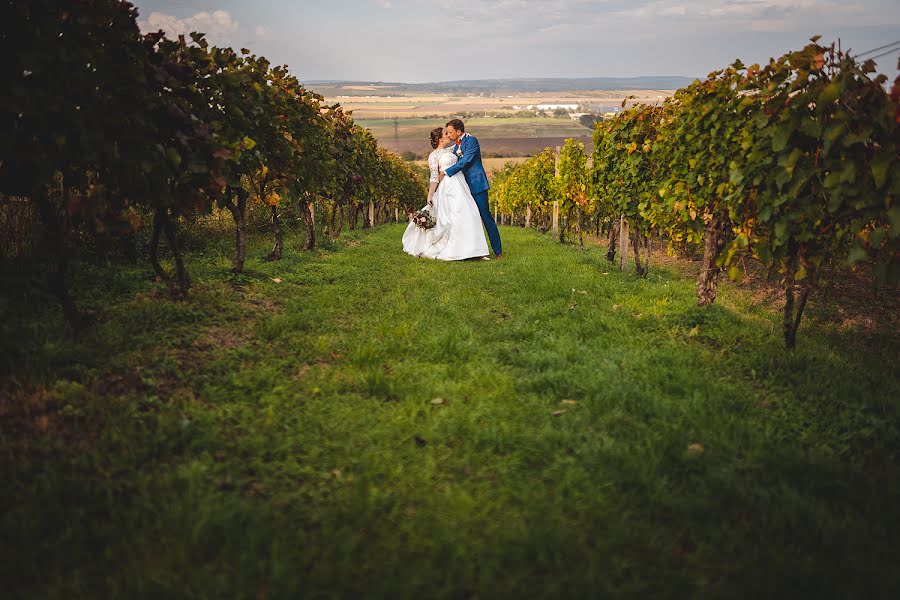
441	40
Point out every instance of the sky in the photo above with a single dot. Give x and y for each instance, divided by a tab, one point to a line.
417	41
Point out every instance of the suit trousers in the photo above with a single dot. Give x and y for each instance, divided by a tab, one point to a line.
481	199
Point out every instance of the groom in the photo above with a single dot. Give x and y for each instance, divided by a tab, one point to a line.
468	152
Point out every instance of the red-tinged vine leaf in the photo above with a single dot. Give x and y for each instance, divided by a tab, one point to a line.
819	61
557	413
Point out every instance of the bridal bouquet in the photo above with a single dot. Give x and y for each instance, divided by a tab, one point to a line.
424	219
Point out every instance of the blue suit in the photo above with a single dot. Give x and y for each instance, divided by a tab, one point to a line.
469	162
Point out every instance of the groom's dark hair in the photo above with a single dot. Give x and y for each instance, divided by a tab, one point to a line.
457	125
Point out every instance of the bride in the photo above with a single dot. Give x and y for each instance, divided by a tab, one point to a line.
458	234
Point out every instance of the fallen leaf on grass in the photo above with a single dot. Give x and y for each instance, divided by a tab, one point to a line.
617	306
582	292
420	441
695	449
276	279
557	413
569	402
439	401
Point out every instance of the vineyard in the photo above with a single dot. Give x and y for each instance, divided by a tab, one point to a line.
160	131
795	164
221	377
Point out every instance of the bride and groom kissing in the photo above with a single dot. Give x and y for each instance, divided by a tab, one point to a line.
457	200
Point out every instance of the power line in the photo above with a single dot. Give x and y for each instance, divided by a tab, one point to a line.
891	51
877	49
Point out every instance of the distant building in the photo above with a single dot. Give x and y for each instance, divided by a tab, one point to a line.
555	106
547	107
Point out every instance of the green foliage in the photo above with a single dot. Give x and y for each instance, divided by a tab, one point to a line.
528	184
70	112
819	174
572	179
698	140
625	170
104	124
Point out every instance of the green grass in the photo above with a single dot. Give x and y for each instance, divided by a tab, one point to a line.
377	425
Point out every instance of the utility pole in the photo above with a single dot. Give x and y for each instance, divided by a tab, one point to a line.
396	134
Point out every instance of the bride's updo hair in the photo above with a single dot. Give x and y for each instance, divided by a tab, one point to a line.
436	134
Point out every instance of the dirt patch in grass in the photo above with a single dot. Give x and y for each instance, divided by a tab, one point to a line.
40	421
227	337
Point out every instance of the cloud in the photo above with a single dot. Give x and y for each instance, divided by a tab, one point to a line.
262	32
617	17
218	26
383	3
759	15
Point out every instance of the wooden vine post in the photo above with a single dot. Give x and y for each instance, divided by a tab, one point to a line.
371	213
624	240
528	216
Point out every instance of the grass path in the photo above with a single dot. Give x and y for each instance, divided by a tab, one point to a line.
377	425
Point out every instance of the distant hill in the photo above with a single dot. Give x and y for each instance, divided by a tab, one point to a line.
476	86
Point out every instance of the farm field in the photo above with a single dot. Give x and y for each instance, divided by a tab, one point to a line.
489	163
508	136
417	115
357	422
378	104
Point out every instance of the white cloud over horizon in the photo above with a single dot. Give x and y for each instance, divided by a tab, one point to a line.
217	25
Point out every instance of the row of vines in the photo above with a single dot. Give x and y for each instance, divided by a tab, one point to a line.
103	129
795	164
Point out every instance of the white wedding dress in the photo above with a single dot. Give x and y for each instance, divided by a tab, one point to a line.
416	239
459	233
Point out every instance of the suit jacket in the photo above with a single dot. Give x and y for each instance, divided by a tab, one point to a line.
470	164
